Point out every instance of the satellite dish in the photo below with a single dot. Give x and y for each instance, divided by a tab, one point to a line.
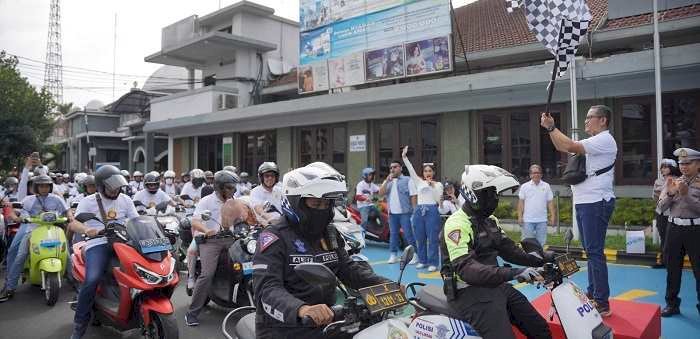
275	66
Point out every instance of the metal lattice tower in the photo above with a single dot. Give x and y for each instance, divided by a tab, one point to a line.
53	71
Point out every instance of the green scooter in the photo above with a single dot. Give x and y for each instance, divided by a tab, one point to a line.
48	254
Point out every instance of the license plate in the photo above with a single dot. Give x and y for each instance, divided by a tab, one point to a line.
155	245
247	267
384	297
567	265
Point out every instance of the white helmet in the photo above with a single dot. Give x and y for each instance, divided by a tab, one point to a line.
169	174
125	173
66	176
41	169
78	177
481	185
316	180
137	174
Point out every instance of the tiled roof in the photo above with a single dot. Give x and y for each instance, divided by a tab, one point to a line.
645	19
287	78
485	25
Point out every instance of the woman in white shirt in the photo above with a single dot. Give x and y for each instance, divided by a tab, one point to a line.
426	217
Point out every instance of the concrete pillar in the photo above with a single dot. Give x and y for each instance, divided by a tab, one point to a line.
130	167
356	161
454	144
195	152
190	78
285	152
148	146
171	152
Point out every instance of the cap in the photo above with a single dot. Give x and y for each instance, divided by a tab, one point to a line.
686	155
669	162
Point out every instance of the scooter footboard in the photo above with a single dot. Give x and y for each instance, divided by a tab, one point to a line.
155	303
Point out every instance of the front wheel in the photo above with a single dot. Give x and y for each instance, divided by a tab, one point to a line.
162	326
52	290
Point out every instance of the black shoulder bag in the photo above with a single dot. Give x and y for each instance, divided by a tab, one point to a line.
575	171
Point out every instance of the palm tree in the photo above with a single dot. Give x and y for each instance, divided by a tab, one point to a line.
64	108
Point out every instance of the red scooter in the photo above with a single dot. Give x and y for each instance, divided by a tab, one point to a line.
377	227
136	291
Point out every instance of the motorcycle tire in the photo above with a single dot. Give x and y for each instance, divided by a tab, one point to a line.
241	300
162	326
51	292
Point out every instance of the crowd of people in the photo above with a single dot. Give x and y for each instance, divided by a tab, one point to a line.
297	208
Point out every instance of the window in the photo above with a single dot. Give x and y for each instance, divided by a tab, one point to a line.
513	139
209	152
113	155
680	121
326	143
635	162
256	148
421	135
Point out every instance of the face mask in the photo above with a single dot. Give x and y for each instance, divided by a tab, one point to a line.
315	221
169	181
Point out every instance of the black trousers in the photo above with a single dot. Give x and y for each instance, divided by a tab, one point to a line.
492	310
662	226
679	241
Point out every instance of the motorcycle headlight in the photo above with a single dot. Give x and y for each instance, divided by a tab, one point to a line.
251	246
172	226
147	276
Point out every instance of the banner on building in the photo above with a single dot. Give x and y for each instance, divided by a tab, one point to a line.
368	40
313	77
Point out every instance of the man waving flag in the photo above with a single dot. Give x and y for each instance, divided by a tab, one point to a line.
558	24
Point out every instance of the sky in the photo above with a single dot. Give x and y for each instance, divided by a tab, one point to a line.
88	30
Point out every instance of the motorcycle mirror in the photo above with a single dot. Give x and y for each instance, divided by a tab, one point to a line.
406	256
530	245
568	236
316	274
83	217
206	215
17	205
74	205
185	197
138	203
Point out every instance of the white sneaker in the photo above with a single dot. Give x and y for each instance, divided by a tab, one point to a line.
420	265
432	268
414	260
392	259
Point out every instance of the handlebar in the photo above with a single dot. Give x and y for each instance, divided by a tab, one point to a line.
338	317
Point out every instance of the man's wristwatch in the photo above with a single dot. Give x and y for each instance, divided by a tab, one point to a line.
551	129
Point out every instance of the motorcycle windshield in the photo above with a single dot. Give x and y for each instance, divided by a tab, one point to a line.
149	240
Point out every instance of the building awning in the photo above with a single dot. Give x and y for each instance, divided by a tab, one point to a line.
207	48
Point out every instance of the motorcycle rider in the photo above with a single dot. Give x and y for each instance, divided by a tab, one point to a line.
305	234
243	188
136	184
475	285
58	188
86	188
169	186
224	186
365	191
42	201
184	178
108	205
152	195
193	188
269	190
209	177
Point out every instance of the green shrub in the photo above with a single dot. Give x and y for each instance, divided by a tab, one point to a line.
506	210
633	212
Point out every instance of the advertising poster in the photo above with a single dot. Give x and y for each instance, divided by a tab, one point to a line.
313	14
427	18
380	5
428	56
346	9
349	36
305	74
385	63
320	75
386	28
315	45
347	71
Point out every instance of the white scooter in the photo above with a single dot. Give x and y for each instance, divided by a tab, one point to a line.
434	317
352	233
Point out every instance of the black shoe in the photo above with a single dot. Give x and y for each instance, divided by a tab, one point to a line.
604	310
6	295
670	311
191	319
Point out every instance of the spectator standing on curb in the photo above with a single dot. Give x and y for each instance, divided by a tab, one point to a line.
535	198
593	198
668	169
396	189
426	217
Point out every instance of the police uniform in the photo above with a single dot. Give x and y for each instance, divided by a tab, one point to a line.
683	232
279	291
477	287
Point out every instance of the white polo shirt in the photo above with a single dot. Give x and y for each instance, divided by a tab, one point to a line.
151	200
194	193
367	190
121	209
213	204
259	195
601	151
535	199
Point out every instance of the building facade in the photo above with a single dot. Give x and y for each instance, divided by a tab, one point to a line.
486	111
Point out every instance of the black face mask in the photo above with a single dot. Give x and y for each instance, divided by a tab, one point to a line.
487	201
314	221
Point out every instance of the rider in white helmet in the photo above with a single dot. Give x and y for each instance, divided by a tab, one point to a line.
269	191
193	188
169	186
136	184
243	188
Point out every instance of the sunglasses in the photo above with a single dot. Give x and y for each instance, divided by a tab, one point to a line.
152	185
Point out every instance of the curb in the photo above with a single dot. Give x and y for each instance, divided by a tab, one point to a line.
618	256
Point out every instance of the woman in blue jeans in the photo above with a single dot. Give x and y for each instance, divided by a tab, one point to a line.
426	217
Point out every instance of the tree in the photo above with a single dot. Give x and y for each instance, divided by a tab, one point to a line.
24	114
64	108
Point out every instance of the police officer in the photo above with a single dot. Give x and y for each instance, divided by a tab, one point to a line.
474	283
681	197
283	299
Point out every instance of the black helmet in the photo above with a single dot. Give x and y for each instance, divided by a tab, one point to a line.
150	179
42	179
109	178
267	166
11	181
87	180
222	178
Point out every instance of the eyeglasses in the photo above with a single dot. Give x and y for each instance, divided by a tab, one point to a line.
589	117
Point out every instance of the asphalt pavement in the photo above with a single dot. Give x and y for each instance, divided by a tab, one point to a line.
27	316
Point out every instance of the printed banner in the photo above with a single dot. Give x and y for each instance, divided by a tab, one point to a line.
386	28
347	71
313	77
349	36
427	18
385	63
428	56
346	9
315	45
313	13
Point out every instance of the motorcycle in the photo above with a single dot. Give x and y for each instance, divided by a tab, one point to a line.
169	222
10	228
435	318
377	228
361	309
232	284
48	254
351	232
136	291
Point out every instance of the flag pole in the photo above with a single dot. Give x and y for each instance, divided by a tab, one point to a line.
550	87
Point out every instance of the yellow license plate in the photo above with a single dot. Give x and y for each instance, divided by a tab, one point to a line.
384	297
567	265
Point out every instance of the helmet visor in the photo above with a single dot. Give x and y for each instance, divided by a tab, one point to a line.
115	182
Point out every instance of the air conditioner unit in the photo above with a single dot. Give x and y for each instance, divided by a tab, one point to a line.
227	101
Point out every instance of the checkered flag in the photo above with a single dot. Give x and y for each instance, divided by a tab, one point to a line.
558	24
